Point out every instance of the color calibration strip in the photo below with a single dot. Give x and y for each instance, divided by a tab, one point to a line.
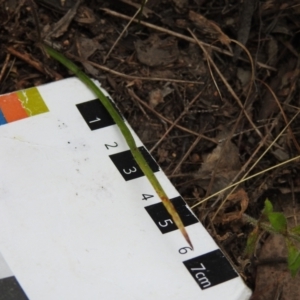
20	105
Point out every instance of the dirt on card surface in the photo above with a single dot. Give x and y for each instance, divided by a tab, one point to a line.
210	87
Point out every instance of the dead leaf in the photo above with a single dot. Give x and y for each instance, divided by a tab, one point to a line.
162	155
224	157
86	47
180	5
155	97
245	26
85	15
192	58
244	77
223	162
281	155
164	73
286	75
148	130
62	25
155	52
209	27
241	198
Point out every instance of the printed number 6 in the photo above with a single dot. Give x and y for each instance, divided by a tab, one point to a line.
166	223
130	171
184	250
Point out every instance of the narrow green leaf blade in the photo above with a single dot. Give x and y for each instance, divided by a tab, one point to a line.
127	136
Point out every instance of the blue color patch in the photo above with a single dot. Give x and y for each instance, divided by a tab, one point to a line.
2	118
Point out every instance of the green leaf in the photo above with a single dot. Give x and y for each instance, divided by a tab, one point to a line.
251	242
278	222
293	258
136	153
268	208
295	230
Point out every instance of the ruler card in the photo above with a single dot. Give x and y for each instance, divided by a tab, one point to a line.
78	218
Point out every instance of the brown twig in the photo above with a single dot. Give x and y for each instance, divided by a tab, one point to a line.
121	34
132	94
101	67
252	69
36	64
245	178
181	36
36	19
248	178
234	95
7	58
176	121
257	161
195	143
283	114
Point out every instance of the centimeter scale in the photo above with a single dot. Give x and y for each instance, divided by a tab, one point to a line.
78	218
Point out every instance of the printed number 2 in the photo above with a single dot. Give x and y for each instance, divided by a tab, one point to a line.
112	146
166	223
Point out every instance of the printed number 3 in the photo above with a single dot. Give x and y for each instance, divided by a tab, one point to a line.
133	170
166	223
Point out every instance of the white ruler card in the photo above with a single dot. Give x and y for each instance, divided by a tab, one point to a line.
78	218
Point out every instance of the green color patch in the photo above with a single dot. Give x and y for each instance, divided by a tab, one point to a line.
32	101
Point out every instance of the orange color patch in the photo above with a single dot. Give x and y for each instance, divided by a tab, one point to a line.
11	107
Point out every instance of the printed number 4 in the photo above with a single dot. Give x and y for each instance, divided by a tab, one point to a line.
146	196
166	223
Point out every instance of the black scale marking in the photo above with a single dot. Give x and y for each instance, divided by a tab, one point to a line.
95	114
10	289
127	165
209	269
162	218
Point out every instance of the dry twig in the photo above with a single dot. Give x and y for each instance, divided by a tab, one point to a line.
132	94
131	77
36	64
181	36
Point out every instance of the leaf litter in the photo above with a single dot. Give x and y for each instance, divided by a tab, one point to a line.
198	147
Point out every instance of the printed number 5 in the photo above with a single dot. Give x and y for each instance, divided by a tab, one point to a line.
134	169
166	223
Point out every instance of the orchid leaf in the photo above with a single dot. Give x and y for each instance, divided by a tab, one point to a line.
127	136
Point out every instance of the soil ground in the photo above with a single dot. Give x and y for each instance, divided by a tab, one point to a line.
207	86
